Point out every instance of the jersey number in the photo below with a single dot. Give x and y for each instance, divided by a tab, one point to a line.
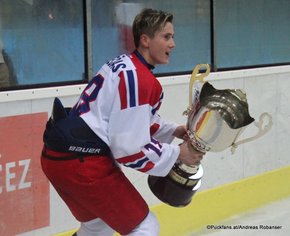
89	95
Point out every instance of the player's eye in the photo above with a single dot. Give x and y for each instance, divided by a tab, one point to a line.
168	36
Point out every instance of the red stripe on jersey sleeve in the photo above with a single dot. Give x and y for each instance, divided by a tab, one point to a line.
132	158
147	167
154	128
122	91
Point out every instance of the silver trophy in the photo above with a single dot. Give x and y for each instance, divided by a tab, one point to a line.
216	119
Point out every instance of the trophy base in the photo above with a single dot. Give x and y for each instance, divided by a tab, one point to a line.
170	192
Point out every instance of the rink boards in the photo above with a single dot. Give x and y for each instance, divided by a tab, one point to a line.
254	175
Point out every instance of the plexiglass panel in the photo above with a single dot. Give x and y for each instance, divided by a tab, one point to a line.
251	32
111	29
42	40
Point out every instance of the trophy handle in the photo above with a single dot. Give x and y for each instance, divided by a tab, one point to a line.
262	129
196	76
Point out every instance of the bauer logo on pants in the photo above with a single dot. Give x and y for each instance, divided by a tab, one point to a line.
24	189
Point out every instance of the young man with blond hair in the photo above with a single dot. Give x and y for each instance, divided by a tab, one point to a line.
119	110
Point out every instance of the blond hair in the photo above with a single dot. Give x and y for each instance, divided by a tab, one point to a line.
149	21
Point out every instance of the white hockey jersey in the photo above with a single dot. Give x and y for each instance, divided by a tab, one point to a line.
120	105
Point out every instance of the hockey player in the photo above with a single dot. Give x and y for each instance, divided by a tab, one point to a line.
116	121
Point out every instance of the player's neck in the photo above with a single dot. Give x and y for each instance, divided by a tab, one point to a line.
142	58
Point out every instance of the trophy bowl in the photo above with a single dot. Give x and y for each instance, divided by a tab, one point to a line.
218	119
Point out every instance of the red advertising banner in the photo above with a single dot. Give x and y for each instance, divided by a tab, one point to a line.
24	189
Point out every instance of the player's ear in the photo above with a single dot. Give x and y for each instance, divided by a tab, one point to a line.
144	40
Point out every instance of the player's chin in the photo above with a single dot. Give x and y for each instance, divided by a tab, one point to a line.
164	61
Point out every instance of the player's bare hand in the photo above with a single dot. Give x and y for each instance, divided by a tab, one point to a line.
180	132
188	155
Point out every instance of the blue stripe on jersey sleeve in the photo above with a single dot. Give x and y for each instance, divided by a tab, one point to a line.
137	164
